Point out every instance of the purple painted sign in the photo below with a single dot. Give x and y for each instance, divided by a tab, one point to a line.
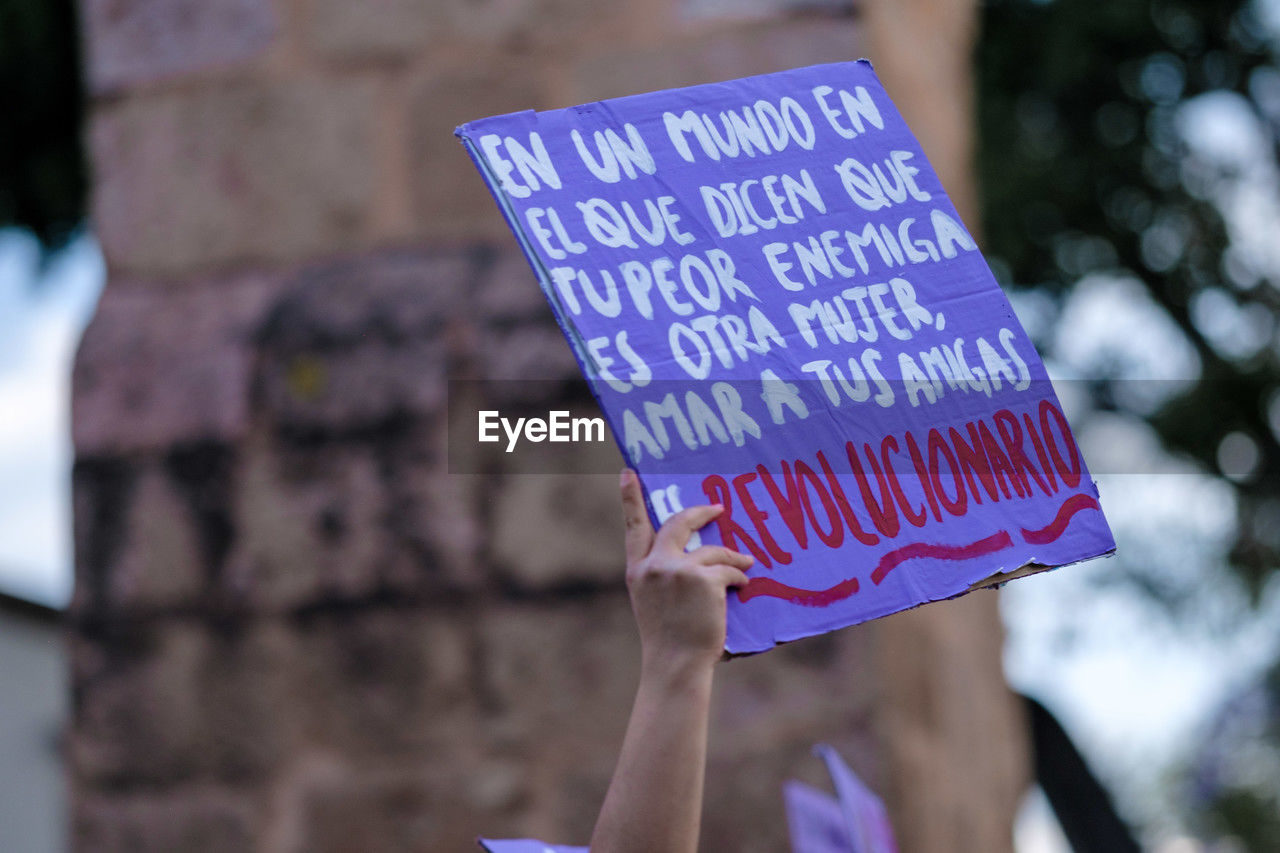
526	845
779	310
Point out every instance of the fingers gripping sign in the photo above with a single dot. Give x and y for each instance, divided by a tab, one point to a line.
678	597
677	531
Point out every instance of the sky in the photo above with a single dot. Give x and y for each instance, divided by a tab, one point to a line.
42	314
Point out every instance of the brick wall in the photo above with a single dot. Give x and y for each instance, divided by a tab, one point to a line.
294	630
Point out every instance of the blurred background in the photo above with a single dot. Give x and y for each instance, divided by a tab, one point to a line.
245	605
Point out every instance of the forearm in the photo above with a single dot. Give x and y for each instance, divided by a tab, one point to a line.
654	803
655	799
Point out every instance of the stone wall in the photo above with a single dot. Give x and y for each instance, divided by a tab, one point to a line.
294	629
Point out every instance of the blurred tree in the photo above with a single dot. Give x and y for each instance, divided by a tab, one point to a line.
42	171
1086	168
1234	780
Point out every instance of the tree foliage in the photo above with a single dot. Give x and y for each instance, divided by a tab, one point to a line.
1084	171
42	172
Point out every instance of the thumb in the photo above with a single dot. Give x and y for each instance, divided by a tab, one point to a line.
639	529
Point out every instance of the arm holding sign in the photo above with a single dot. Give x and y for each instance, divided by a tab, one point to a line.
655	799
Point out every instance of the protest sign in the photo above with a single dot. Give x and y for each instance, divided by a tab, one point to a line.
526	845
779	310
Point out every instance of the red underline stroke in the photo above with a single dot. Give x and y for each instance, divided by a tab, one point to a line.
763	586
994	542
1058	526
807	597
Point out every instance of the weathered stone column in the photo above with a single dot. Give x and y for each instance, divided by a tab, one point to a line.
295	629
947	717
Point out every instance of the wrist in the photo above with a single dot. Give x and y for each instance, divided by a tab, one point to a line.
677	668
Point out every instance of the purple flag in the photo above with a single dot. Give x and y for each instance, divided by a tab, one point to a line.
867	820
779	310
526	845
815	820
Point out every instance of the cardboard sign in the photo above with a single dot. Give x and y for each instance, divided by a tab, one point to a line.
526	845
780	311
